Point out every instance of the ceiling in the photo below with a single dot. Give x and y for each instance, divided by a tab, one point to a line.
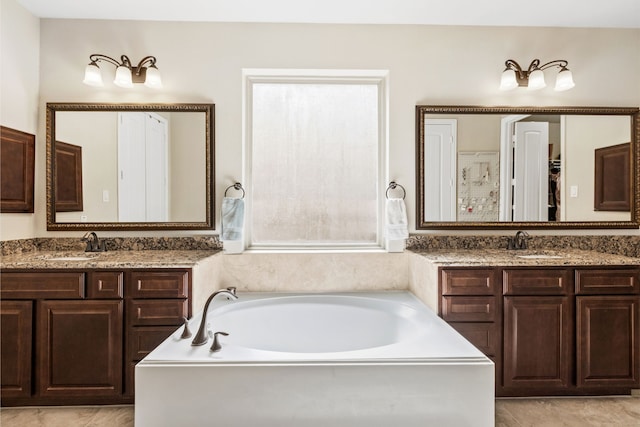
539	13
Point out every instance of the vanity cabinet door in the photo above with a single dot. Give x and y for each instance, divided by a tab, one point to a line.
537	343
80	348
15	331
608	349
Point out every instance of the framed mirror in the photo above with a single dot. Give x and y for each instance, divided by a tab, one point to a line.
526	167
130	166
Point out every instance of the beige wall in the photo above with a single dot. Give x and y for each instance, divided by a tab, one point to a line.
202	62
591	132
19	75
187	159
99	162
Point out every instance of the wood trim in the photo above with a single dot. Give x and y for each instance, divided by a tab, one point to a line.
68	172
17	156
613	178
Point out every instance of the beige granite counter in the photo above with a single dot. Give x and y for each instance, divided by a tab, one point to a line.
523	258
110	259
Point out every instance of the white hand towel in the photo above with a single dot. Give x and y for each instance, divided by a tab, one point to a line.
396	224
232	219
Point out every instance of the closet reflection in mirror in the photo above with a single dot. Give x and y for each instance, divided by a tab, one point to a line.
146	167
507	166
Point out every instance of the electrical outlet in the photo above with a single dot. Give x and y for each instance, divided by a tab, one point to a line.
105	195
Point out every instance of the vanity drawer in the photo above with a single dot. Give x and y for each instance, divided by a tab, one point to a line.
105	285
40	285
484	336
468	309
552	281
467	281
157	312
608	281
143	340
159	284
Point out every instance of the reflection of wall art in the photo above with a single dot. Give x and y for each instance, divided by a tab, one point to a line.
68	177
17	154
478	186
613	178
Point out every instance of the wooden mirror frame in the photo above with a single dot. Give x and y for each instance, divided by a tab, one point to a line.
633	113
207	224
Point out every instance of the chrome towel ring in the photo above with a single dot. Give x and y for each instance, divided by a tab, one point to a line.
236	186
392	186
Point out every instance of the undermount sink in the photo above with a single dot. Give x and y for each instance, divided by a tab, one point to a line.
540	256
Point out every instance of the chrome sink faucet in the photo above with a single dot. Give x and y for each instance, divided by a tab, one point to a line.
519	241
93	242
202	336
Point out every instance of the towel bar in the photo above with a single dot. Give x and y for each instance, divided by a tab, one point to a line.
392	186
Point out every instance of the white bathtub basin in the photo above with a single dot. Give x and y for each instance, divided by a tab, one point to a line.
339	324
342	360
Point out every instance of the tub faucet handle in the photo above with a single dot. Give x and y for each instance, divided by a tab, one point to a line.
186	333
216	346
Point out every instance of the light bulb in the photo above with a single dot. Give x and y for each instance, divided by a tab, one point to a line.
564	81
508	80
123	77
152	78
92	75
536	80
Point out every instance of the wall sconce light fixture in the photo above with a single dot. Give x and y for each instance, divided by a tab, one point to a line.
126	74
533	77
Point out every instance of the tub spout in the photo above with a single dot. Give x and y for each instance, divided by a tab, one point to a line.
201	337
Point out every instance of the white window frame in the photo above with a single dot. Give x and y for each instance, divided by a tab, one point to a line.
379	78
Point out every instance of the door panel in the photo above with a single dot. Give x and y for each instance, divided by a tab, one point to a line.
440	170
537	342
15	347
531	171
80	348
607	344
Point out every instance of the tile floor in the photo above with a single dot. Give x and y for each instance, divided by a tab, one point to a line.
570	412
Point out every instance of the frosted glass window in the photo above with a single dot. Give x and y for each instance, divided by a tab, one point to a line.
315	151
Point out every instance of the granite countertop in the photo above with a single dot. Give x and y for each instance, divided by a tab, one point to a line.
523	258
109	259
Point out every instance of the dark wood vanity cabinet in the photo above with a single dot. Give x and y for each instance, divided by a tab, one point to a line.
607	325
157	303
15	347
554	330
71	337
